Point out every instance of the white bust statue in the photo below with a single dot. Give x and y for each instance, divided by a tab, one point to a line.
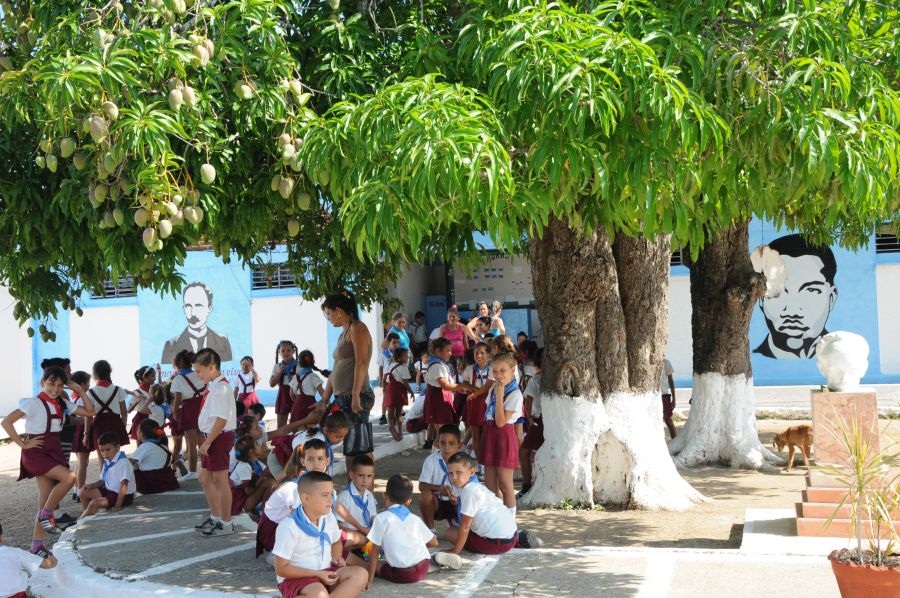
843	358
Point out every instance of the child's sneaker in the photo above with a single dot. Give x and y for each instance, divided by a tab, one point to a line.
448	559
65	520
525	489
428	444
41	551
205	525
219	529
49	524
528	539
75	496
181	466
383	419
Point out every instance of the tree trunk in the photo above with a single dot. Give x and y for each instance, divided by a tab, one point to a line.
603	309
721	427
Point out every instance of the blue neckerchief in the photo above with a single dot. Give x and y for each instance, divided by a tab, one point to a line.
446	471
306	526
167	410
482	373
302	372
400	511
388	353
107	465
289	368
185	371
297	479
491	410
362	504
257	468
472	480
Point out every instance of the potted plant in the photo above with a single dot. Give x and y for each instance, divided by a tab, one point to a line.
872	568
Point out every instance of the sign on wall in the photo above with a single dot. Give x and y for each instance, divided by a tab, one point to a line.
497	277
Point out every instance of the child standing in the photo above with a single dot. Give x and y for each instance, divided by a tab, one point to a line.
281	377
115	488
217	421
308	547
440	389
245	383
42	456
403	538
391	342
436	499
667	390
152	460
534	438
304	386
486	526
82	439
499	446
145	376
187	389
478	374
17	566
397	391
109	406
357	499
421	368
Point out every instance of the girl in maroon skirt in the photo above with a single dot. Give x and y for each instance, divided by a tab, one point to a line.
187	391
140	398
245	383
499	445
282	374
304	386
152	460
396	391
109	406
42	456
440	388
478	375
82	441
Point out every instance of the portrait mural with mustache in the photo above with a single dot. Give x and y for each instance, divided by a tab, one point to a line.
197	302
796	318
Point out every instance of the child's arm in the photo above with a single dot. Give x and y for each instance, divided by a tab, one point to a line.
337	554
135	463
501	416
479	392
87	409
7	424
373	563
213	434
529	400
284	568
462	534
672	388
436	488
123	488
176	402
236	393
458	387
348	518
275	378
256	376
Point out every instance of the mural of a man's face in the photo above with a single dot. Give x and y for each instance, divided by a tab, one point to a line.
799	314
196	308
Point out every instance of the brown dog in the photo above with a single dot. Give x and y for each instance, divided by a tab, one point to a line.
792	437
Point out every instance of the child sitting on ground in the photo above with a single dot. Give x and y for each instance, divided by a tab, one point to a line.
152	460
308	547
357	498
486	526
16	566
404	538
436	498
115	488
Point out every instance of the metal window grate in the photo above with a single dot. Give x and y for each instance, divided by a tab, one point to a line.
675	260
123	287
886	243
272	276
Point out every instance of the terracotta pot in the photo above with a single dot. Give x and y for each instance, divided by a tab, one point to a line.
865	581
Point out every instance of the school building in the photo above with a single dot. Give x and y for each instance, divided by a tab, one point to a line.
246	311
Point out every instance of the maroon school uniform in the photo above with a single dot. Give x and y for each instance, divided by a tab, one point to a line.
108	416
190	405
138	416
38	461
474	409
438	402
303	404
499	446
413	574
395	393
284	403
247	390
265	534
157	481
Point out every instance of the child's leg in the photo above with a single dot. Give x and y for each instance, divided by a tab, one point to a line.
427	506
520	433
490	479
86	496
45	486
63	479
355	539
525	465
176	449
95	505
211	493
314	590
281	420
452	534
263	487
476	439
81	469
351	582
223	492
507	490
192	438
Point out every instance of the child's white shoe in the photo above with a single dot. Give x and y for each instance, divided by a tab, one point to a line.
448	560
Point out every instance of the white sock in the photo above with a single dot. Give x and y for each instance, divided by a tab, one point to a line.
512	510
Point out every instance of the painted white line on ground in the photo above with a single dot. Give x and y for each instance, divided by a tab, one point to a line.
178	532
133	514
183	492
657	578
166	568
477	574
690	554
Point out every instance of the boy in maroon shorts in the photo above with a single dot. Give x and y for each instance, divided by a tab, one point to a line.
115	488
217	421
436	498
308	547
486	526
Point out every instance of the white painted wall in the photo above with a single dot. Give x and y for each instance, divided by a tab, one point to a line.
110	333
680	345
411	289
372	319
887	284
15	355
286	317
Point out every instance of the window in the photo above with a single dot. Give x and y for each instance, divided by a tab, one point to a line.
887	243
272	276
675	260
123	287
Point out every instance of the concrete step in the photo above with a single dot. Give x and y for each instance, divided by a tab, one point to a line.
822	510
839	528
820	494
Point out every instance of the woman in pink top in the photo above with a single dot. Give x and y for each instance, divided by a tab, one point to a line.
456	333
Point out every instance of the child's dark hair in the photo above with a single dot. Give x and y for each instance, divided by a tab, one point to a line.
258	409
307	360
108	438
462	457
539	357
343	300
243	449
399	489
361	461
505	357
239	409
310	479
102	370
61	362
183	359
486	320
314	444
392	336
400	354
151	430
54	372
160	394
245	424
207	357
141	373
451	429
503	344
336	421
419	313
438	344
481	345
247	358
280	344
81	377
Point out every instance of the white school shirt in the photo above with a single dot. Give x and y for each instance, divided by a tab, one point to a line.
240	473
533	390
300	438
403	542
150	456
302	550
310	384
420	368
219	403
282	502
180	385
417	409
264	437
121	470
285	378
36	415
433	473
346	499
104	393
139	395
16	565
667	370
435	372
157	414
490	517
514	402
480	381
399	371
385	359
242	379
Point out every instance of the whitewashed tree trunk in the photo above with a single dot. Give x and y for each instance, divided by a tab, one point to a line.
632	465
722	425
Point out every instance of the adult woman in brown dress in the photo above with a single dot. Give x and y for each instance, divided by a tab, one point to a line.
349	379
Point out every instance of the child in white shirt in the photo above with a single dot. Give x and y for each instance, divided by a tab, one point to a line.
357	498
16	566
115	488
